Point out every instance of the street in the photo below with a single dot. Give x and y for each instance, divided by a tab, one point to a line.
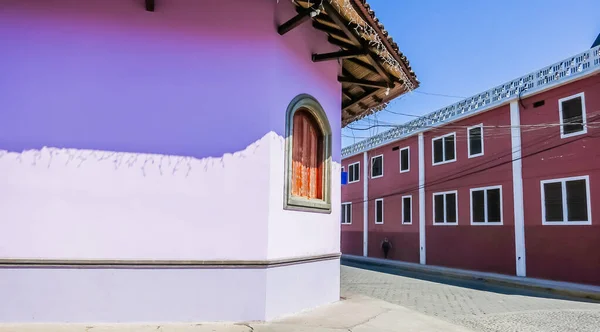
473	304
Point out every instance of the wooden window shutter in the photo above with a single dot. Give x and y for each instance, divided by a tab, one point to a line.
307	157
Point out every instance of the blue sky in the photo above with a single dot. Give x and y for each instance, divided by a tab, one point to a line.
461	48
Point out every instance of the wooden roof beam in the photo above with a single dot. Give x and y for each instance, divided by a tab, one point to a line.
337	42
347	73
351	112
338	55
368	94
352	80
346	94
329	30
362	64
337	18
303	16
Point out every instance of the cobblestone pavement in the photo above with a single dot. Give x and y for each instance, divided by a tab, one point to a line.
474	304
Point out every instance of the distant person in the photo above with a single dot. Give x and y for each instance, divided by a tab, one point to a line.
386	245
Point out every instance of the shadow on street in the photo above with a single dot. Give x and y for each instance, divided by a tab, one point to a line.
474	284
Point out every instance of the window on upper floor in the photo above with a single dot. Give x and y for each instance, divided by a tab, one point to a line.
475	140
377	166
354	172
346	213
405	159
407	210
572	115
445	208
308	156
486	205
379	211
566	201
444	149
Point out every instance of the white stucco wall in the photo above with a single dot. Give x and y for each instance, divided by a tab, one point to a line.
293	288
300	233
131	295
75	204
84	204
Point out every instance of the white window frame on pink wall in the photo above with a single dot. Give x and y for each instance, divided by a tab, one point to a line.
433	163
583	115
444	193
486	222
382	211
372	163
344	214
400	159
563	182
411	210
469	141
356	164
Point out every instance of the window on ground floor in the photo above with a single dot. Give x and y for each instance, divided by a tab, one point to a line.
379	211
566	201
486	205
406	210
445	208
346	213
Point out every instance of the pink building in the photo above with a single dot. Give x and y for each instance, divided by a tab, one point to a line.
179	161
503	181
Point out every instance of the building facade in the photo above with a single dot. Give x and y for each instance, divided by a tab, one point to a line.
504	181
178	162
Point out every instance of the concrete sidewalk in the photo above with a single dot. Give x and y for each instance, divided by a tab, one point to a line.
558	287
355	314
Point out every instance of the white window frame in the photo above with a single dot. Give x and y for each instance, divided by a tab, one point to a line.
583	115
382	211
485	205
349	169
344	211
443	149
469	141
411	210
400	159
445	223
377	156
564	202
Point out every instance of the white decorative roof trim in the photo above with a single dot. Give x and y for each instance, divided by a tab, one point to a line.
561	72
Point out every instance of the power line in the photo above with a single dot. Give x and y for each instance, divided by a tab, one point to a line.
438	94
542	125
429	115
448	179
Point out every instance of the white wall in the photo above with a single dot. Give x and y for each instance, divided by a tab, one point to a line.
75	204
131	295
303	286
300	233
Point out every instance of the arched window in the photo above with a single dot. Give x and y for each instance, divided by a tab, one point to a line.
308	156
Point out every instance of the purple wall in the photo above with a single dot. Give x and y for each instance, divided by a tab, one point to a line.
196	78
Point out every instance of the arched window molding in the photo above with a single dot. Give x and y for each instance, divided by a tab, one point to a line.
316	196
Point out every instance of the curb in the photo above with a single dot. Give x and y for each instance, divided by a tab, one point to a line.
560	288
